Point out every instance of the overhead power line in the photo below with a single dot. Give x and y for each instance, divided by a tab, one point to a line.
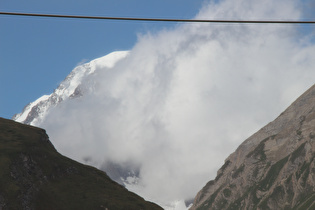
157	19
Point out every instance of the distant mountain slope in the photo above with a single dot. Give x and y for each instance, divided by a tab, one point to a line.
34	175
70	87
273	169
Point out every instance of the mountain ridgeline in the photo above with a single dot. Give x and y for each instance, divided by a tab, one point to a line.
272	169
34	175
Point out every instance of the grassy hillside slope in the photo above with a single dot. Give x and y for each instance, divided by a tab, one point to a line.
34	175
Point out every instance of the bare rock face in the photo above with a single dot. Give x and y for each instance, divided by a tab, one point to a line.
272	169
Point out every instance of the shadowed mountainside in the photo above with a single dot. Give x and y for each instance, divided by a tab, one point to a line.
34	175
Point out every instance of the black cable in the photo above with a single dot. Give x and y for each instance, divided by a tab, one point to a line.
157	19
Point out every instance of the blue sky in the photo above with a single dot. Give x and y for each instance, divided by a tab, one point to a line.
38	53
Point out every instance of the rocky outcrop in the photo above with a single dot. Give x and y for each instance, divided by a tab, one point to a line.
34	175
272	169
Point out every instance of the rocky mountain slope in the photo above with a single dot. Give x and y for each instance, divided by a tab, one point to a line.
273	169
34	175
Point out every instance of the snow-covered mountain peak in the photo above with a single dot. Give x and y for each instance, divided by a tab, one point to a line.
107	61
21	117
36	111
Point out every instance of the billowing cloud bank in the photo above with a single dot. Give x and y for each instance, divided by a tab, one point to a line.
183	99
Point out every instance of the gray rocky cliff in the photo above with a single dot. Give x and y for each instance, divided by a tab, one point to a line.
272	169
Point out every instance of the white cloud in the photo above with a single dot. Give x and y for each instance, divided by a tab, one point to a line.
185	98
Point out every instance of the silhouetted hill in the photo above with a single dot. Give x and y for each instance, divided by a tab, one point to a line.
34	175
